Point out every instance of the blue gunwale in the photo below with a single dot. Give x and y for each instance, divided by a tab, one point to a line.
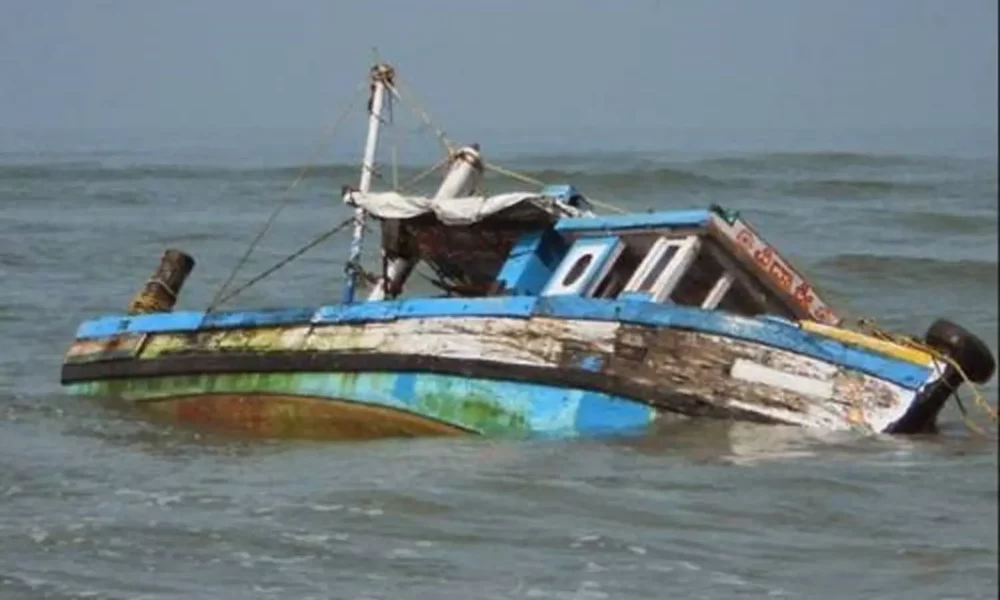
765	331
651	220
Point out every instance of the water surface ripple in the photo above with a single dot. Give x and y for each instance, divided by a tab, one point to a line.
97	501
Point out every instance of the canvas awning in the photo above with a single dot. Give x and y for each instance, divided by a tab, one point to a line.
453	211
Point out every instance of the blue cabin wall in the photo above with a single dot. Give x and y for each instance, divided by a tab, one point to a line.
531	263
536	257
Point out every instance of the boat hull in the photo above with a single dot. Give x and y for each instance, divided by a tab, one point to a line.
367	404
495	366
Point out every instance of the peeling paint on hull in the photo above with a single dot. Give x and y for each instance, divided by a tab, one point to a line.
525	363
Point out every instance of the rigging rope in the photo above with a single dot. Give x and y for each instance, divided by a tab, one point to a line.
423	174
449	148
870	327
533	181
283	199
421	114
267	272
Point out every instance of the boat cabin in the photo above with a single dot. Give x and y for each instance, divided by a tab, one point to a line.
708	259
551	244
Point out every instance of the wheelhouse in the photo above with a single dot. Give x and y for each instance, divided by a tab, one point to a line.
708	259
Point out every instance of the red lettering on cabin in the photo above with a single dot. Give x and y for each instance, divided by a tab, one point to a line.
745	238
782	275
764	257
803	295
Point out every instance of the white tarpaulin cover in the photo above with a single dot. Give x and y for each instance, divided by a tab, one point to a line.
450	211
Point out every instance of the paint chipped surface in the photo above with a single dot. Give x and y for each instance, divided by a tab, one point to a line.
672	370
125	346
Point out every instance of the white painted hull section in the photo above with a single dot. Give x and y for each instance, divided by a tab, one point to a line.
741	375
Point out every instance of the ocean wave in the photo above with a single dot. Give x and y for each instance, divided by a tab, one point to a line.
797	173
910	271
817	160
341	173
939	223
854	188
95	171
664	177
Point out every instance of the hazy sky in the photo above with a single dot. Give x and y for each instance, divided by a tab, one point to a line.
531	63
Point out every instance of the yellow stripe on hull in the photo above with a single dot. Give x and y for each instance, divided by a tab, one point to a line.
899	351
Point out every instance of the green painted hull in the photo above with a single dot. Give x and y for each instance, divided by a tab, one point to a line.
374	404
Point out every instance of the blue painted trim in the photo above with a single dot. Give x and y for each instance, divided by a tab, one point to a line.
390	310
671	218
359	312
778	320
472	307
262	318
635	297
763	331
156	322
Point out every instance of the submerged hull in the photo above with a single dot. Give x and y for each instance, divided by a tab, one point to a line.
494	366
368	404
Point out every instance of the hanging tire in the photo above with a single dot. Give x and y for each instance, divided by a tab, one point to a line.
970	352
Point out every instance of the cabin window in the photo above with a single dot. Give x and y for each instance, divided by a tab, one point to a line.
715	282
697	285
586	263
667	261
618	275
750	301
577	269
657	269
718	291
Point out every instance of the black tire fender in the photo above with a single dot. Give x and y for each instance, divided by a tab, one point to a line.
970	352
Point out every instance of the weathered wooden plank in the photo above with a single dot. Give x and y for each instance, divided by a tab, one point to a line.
570	308
674	370
117	348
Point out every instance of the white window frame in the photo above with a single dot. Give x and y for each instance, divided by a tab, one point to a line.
604	250
667	280
719	290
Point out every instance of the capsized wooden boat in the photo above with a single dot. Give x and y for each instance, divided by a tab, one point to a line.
555	321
